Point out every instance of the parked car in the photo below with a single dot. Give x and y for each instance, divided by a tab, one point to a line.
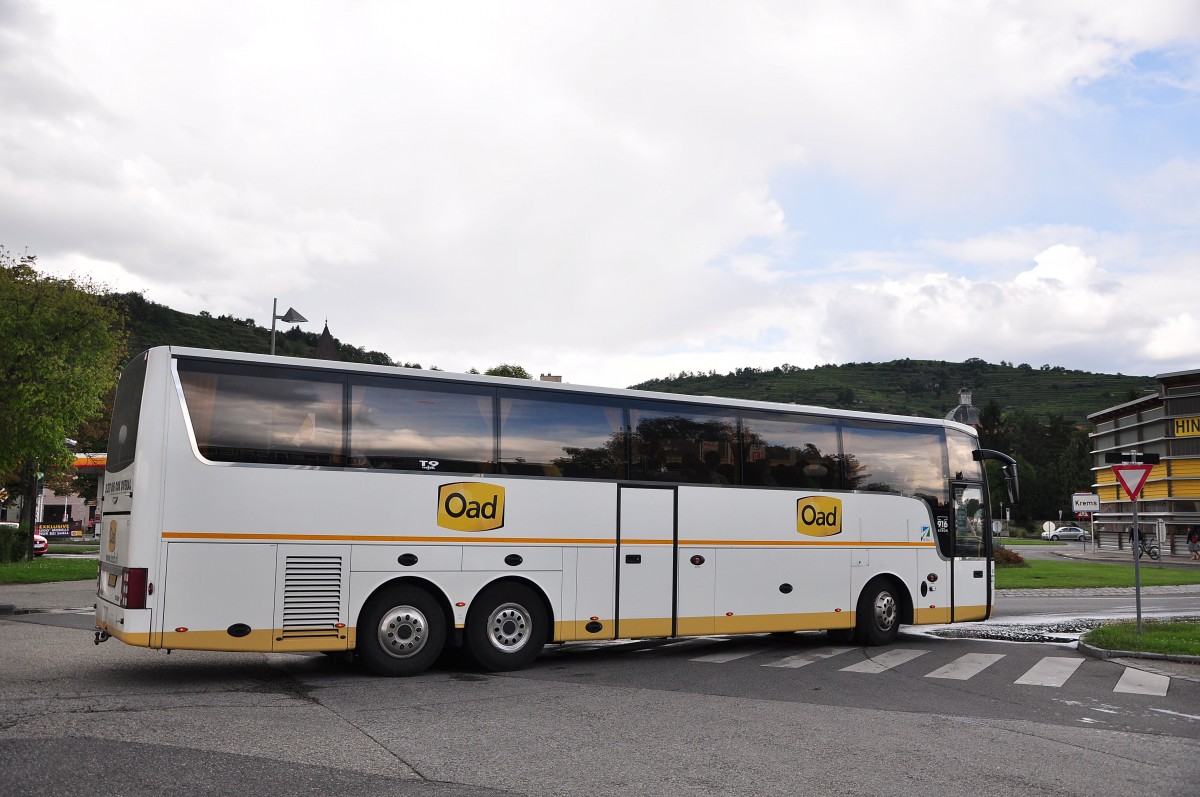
40	546
1067	533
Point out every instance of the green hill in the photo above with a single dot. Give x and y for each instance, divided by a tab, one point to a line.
920	387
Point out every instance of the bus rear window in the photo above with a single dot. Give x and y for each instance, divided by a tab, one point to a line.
127	407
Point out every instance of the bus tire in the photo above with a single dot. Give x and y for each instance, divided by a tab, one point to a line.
401	631
878	620
507	627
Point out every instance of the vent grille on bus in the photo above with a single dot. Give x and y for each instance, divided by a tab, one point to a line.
312	591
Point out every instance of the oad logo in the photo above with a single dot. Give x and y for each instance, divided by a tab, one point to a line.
470	506
819	516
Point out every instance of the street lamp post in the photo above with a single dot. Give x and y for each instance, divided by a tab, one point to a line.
290	317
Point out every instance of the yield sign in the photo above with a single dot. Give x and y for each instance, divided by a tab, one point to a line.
1132	478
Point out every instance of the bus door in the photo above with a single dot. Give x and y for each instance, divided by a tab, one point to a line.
646	541
970	579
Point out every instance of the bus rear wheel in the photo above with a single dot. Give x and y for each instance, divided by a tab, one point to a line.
401	631
878	620
506	627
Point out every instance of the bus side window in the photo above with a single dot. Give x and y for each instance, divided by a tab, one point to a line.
897	458
797	452
683	445
403	424
560	436
278	415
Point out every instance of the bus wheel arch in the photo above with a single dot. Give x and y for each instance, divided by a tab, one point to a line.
509	622
883	605
402	628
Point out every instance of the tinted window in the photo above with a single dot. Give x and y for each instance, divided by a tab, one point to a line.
127	408
560	437
783	451
677	444
895	458
961	449
399	424
247	413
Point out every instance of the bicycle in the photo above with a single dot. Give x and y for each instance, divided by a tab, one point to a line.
1148	547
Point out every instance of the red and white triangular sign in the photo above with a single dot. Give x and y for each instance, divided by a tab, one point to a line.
1132	478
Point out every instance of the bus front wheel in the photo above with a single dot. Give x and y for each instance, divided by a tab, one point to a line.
506	627
878	614
401	631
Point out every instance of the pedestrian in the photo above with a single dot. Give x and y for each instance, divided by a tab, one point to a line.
1193	539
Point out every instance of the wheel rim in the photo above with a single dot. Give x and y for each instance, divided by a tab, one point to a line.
508	627
885	611
402	632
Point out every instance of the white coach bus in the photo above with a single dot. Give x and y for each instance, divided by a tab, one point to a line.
256	503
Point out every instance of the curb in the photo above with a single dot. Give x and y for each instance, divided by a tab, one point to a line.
7	608
1102	653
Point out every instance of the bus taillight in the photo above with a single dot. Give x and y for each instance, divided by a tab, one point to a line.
133	588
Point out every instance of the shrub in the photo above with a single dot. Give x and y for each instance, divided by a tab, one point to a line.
1009	558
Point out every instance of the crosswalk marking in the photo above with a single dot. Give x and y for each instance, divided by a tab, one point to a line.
1050	671
1139	682
729	655
966	667
885	661
802	660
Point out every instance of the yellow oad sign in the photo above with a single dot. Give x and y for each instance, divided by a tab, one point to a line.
470	506
819	516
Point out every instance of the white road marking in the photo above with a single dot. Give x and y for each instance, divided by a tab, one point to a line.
1140	682
967	666
804	659
1050	671
885	661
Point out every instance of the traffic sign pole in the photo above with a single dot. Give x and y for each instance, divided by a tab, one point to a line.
1136	534
1133	477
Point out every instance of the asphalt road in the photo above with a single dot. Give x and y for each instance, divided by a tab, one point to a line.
759	715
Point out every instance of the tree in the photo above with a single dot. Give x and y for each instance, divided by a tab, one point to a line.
514	371
63	347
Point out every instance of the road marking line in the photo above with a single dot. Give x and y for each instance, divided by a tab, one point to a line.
1139	682
885	661
965	667
729	655
804	659
1050	671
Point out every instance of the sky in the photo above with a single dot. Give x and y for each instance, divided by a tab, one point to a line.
619	191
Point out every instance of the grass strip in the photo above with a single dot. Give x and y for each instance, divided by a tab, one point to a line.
67	547
43	571
1049	574
1156	637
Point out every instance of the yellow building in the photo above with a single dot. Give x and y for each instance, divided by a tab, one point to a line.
1166	423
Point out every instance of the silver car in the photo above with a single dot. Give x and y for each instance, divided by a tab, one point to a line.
1067	533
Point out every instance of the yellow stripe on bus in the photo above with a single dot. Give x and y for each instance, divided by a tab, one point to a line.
248	537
